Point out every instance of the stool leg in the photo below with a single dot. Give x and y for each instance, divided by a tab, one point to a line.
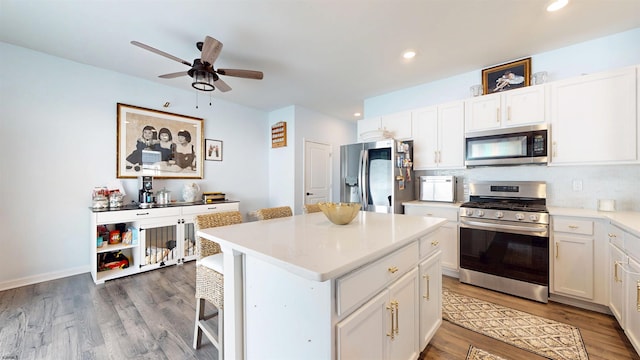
220	334
197	332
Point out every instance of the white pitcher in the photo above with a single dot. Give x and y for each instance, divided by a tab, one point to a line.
190	192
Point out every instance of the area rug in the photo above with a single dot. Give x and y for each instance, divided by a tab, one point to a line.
475	353
545	337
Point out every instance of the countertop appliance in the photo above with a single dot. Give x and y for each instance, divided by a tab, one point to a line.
510	146
504	238
438	188
378	175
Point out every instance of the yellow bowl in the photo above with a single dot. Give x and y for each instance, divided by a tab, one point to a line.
339	213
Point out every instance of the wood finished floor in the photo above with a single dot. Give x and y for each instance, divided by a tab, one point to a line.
150	316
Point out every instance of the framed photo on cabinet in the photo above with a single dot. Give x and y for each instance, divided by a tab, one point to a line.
159	144
213	150
507	76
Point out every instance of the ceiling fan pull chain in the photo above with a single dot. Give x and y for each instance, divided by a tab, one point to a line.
196	99
210	99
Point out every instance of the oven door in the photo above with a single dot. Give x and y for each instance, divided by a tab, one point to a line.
516	251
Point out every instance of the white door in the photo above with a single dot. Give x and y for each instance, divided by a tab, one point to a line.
317	172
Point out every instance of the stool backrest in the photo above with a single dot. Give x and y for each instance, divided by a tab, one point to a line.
273	213
311	208
206	247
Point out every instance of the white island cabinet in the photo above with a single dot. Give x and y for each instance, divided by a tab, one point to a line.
303	288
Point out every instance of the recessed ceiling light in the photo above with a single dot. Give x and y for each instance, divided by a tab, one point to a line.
557	5
356	114
409	54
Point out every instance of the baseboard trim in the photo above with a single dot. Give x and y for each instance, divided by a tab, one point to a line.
29	280
583	304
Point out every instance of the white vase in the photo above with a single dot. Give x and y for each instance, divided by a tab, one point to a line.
190	192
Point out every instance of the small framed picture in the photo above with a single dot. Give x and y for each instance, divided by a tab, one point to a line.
213	150
505	77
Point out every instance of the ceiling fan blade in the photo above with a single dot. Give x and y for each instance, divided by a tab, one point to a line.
221	85
249	74
160	52
210	50
174	75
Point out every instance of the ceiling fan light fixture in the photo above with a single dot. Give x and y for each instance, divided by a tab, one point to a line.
203	81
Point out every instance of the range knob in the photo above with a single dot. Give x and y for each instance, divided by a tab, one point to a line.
519	216
499	214
534	217
469	212
480	213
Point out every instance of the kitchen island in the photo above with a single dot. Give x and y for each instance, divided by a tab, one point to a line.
302	287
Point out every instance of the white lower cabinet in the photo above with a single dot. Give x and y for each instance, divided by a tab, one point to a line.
430	299
632	308
617	261
573	266
447	235
576	271
159	237
386	327
624	282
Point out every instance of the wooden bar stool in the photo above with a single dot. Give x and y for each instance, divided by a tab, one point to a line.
210	279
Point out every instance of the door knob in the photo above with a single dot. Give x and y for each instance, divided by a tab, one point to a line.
309	194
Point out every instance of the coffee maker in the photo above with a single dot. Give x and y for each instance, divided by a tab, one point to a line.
145	195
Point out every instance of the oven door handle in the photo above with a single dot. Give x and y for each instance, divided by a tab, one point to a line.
540	230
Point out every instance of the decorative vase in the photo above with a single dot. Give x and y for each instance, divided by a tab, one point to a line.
190	192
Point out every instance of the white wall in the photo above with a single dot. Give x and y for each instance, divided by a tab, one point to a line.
58	124
313	126
599	182
282	161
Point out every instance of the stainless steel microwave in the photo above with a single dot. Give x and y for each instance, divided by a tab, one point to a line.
511	146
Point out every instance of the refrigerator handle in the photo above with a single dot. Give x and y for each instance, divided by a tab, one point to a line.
361	179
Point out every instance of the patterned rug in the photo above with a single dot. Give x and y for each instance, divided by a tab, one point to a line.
545	337
478	354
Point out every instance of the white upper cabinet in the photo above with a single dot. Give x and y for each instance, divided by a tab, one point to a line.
438	136
524	106
593	118
399	125
396	125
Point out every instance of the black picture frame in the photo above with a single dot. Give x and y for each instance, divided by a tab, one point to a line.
509	76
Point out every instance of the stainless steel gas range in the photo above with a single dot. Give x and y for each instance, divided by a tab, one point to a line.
504	238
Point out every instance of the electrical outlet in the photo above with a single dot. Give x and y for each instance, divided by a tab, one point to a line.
577	185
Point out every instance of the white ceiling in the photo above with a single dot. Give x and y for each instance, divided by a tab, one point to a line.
325	55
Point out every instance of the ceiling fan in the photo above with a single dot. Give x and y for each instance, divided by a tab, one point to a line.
205	77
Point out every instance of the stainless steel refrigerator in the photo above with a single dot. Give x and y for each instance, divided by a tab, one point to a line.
379	175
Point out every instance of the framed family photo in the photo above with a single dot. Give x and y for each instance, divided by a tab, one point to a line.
505	77
213	150
159	144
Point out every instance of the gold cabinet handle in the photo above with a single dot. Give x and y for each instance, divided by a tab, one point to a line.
427	295
435	243
554	149
508	113
573	227
611	235
397	328
638	296
393	269
391	334
615	271
498	115
435	156
557	249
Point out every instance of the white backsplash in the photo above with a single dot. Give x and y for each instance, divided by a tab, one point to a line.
616	182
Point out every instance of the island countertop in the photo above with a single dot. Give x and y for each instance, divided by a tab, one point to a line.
312	247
